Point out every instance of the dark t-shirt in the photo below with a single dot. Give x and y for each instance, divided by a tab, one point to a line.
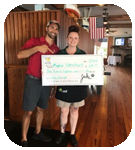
34	66
71	93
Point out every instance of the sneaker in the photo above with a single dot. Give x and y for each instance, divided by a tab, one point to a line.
41	136
73	140
60	138
24	144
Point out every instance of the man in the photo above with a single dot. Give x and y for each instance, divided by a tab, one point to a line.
36	95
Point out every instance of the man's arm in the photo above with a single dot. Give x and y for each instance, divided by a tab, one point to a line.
28	52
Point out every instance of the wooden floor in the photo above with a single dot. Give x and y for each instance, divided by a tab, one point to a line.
106	119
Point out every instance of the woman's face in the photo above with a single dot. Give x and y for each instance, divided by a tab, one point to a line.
73	39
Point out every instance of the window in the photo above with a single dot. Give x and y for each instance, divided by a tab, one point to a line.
100	47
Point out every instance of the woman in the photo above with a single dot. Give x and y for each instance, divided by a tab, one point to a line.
73	98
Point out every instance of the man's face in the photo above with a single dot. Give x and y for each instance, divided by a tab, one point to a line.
52	30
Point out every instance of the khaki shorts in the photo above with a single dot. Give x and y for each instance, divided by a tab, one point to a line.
63	104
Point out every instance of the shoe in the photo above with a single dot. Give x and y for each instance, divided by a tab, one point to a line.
41	136
73	140
24	144
60	137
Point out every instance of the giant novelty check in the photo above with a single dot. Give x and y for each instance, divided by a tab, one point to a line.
72	69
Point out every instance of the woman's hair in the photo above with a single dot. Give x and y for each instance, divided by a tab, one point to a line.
73	28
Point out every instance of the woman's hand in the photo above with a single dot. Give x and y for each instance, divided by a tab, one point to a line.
52	92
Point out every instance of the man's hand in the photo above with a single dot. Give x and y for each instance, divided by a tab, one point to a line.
44	49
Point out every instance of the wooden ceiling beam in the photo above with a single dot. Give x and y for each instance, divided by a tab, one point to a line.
61	6
120	25
93	5
119	18
116	17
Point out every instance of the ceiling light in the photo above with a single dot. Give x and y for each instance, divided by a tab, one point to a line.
105	16
105	20
107	33
107	29
101	4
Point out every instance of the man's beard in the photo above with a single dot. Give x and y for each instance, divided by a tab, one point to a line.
51	36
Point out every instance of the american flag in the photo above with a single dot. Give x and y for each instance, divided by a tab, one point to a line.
96	28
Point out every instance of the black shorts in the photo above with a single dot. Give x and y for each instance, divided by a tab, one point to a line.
35	94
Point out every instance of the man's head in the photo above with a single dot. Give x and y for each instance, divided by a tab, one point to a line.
52	28
53	22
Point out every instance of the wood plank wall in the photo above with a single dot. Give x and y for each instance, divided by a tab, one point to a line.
21	26
18	28
85	43
110	43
